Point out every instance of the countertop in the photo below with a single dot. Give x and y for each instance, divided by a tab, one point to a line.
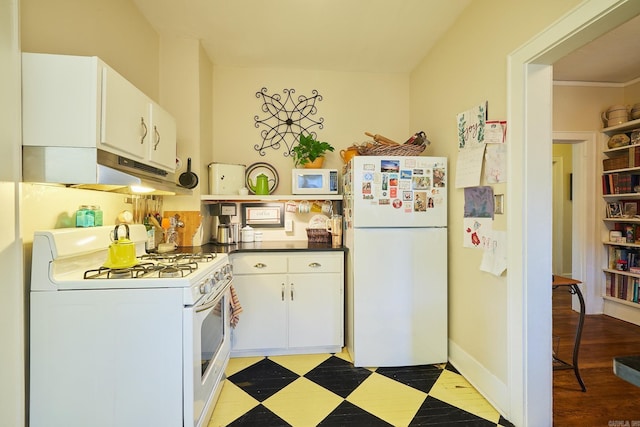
264	246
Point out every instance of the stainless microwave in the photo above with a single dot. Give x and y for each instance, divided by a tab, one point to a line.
314	181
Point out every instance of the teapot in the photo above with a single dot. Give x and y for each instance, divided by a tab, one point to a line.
262	185
122	252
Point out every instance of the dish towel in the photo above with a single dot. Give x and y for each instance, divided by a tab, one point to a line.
236	308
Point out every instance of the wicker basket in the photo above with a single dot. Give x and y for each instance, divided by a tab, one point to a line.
378	149
318	235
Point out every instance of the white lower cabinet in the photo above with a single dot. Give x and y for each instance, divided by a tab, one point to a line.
292	303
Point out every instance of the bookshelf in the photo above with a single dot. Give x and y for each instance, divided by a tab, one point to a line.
621	201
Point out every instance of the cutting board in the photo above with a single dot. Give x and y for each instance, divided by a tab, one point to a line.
192	221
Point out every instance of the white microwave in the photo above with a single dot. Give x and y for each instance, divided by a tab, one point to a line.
314	181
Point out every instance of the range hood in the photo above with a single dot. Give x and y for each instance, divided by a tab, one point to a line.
95	169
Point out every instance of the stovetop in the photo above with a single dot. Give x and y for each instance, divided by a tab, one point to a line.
73	259
155	266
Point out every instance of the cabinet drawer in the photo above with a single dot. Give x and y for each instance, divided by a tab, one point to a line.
259	264
316	264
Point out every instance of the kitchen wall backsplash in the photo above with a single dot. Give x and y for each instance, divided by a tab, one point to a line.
46	207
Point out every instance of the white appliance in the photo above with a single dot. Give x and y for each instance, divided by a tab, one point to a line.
314	181
225	178
145	346
395	213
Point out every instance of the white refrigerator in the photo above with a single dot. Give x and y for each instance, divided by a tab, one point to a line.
395	217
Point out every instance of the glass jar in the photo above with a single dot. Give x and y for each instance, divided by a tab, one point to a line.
97	214
85	216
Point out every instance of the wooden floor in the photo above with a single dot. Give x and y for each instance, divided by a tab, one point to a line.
608	400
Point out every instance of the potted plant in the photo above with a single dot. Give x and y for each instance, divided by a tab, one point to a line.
309	152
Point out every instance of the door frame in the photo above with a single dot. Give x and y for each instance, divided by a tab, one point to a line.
529	101
586	258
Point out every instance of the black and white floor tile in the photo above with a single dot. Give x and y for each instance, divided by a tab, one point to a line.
327	390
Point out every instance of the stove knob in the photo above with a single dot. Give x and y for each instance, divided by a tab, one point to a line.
206	286
218	275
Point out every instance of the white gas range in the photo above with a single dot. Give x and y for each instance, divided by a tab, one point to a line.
125	347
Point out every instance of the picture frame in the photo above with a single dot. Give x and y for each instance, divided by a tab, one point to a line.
614	210
630	209
262	215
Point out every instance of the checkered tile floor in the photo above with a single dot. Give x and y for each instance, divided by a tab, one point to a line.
327	390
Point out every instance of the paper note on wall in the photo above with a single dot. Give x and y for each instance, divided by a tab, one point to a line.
494	259
495	163
477	232
471	134
469	166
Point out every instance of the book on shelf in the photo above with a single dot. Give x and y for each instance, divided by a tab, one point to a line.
622	287
619	183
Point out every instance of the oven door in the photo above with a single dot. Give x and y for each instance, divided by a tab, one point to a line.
206	353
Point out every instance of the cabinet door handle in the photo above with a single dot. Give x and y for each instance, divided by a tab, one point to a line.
315	265
260	265
145	130
282	293
155	130
291	291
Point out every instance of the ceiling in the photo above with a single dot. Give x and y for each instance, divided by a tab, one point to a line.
337	35
385	36
611	58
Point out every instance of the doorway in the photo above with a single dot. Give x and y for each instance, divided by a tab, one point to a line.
529	97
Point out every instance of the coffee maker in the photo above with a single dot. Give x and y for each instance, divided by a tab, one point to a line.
227	232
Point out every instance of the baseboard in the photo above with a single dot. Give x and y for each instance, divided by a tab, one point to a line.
487	384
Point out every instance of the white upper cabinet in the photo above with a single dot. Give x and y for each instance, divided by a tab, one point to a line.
162	138
77	101
125	117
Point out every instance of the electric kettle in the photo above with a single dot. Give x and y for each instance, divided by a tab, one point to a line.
262	185
122	252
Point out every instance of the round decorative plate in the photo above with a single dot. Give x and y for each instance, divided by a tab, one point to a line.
261	167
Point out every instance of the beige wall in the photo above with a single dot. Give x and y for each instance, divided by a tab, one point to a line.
578	108
352	104
466	67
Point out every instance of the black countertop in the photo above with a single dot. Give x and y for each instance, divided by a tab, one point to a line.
264	246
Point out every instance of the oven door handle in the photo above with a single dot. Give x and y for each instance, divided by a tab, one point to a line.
206	306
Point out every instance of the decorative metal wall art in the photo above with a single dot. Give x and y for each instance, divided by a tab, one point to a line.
286	120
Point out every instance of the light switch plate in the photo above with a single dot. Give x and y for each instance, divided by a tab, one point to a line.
288	225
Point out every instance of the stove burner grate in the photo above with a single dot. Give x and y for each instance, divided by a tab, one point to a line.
179	258
118	273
